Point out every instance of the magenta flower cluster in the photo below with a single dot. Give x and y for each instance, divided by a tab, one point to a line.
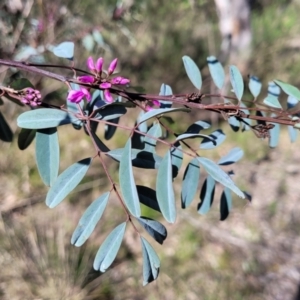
31	97
99	77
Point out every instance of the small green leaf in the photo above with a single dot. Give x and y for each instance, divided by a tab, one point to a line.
226	204
272	101
89	220
26	136
109	249
207	195
254	86
233	156
67	181
65	50
164	189
216	70
127	183
289	89
274	134
237	82
151	262
219	175
192	71
44	118
88	42
47	154
165	90
6	134
154	228
161	111
190	183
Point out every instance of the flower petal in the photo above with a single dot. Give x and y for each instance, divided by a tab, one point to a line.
108	96
112	66
86	79
105	85
120	80
99	64
75	96
86	93
90	64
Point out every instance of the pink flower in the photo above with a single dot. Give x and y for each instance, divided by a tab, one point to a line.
105	85
86	79
108	96
112	66
156	103
120	80
76	96
95	68
31	97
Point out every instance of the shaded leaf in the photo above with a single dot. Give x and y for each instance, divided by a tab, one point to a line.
192	71
233	156
165	90
47	154
6	134
150	143
151	262
219	175
226	204
110	111
237	82
216	70
190	183
160	111
197	127
207	195
89	220
99	143
67	181
291	102
110	129
274	136
65	50
44	118
255	86
147	197
215	139
176	157
127	183
154	228
164	189
140	158
109	249
234	123
292	133
26	136
185	136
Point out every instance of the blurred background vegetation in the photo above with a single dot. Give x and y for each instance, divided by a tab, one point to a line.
254	254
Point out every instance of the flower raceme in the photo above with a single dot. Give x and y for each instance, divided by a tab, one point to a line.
105	82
